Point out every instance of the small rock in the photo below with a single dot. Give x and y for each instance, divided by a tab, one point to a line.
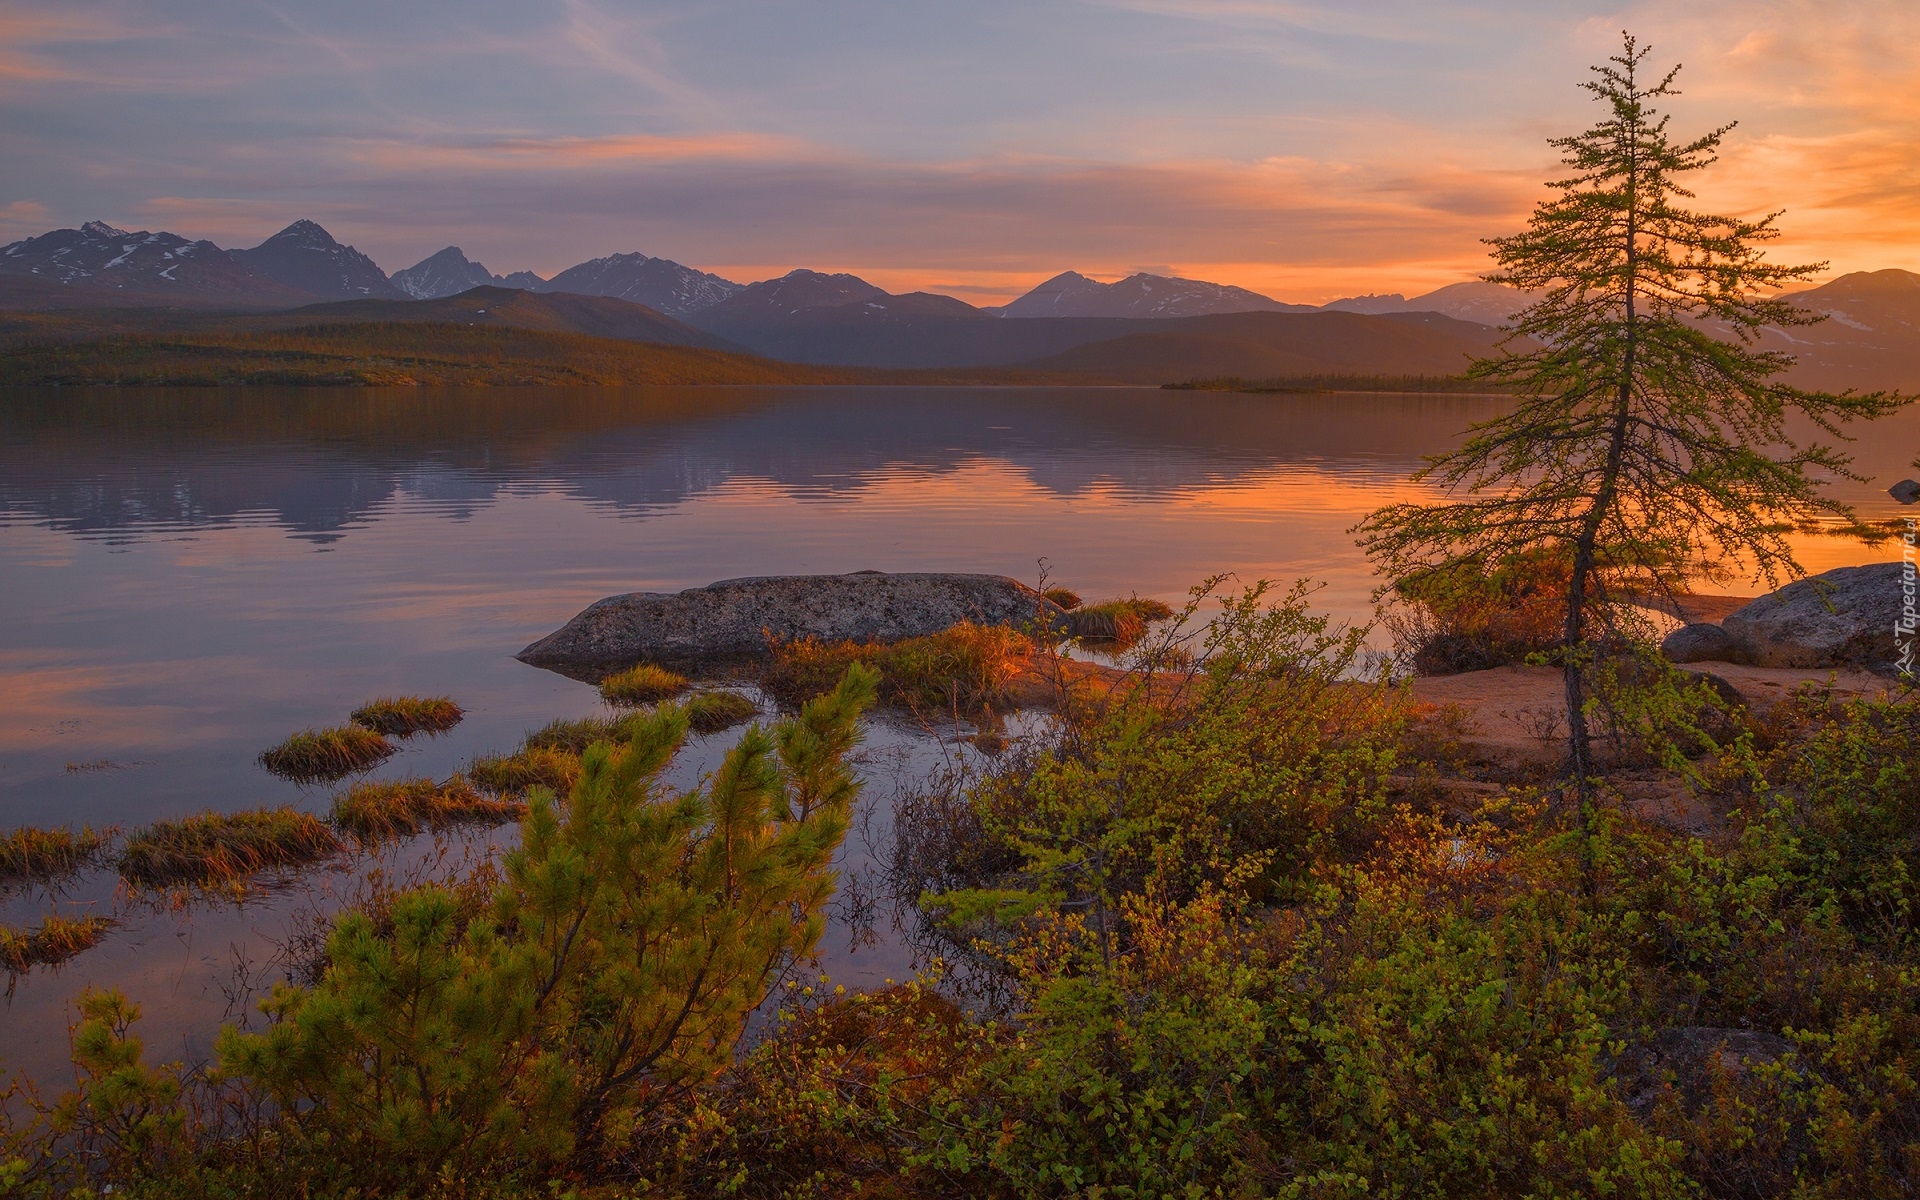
1722	688
1702	641
1906	491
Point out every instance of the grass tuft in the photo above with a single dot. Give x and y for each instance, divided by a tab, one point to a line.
573	737
373	811
514	774
712	712
1066	598
968	667
53	942
1122	621
214	846
404	716
43	855
644	684
324	755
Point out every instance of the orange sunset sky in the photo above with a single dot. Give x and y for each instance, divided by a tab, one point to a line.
1305	150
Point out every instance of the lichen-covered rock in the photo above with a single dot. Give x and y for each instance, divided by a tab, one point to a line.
733	619
1695	1062
1701	641
1843	617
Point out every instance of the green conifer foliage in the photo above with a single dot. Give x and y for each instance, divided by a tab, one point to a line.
1648	440
635	930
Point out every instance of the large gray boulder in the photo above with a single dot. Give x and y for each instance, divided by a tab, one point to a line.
732	619
1843	617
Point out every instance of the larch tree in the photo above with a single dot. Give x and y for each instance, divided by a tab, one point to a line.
1648	440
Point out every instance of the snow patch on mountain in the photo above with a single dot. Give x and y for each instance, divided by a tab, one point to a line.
658	283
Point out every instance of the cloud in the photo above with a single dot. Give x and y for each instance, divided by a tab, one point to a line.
23	218
1302	149
752	207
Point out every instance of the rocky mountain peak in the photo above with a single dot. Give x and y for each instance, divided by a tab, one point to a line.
305	256
445	273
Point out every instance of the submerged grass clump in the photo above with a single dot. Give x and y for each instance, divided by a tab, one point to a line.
573	737
55	940
372	811
214	846
1122	621
42	855
514	774
644	684
404	716
324	755
711	712
969	667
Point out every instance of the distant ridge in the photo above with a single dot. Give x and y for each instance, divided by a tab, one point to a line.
1474	300
1071	294
1870	339
1277	345
491	305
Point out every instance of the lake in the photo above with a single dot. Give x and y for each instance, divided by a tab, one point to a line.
187	576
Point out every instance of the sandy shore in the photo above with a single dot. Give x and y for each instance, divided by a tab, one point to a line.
1514	709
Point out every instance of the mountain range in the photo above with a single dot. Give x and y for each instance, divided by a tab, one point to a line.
99	264
1071	294
1140	324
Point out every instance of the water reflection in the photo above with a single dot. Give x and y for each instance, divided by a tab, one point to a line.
319	462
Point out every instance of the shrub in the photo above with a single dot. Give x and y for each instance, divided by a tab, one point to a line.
968	667
715	711
214	846
1467	621
833	1094
637	927
643	684
325	755
1271	755
42	855
55	940
517	774
404	716
372	811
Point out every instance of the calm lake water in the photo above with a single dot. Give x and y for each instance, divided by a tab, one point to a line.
188	576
